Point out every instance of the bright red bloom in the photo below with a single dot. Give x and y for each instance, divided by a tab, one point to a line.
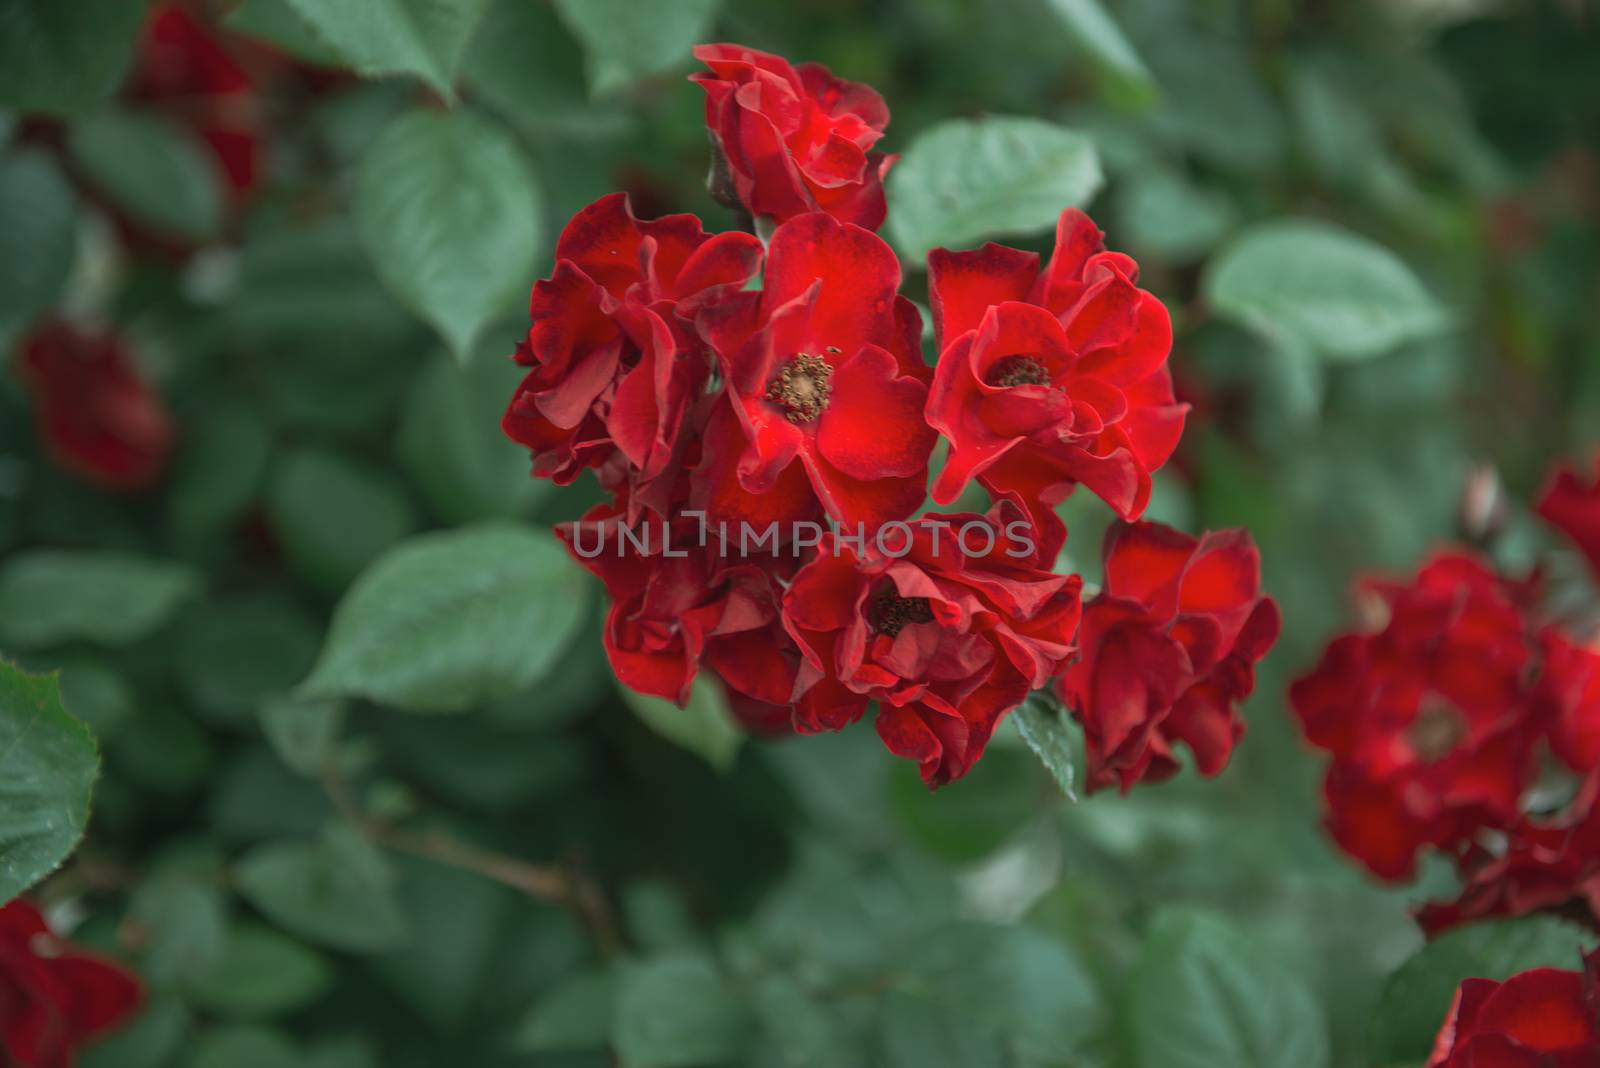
1569	687
616	366
96	416
676	603
1545	1018
1429	719
823	367
54	997
1572	504
186	69
947	635
1544	865
1169	650
793	140
1051	378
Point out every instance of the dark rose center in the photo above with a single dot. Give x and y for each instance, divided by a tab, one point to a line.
801	387
889	612
1437	730
1018	371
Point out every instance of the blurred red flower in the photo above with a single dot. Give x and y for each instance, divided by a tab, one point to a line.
53	996
1572	504
96	416
1169	648
1051	378
1545	1018
791	140
1429	718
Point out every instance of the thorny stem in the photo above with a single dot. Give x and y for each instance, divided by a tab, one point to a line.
567	886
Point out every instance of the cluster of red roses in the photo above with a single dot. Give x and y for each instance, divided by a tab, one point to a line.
711	408
1439	716
54	997
1544	1018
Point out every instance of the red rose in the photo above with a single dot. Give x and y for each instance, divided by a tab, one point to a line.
1048	379
948	634
793	140
1573	504
1543	865
54	997
1569	687
1430	719
96	416
187	71
1169	650
1545	1018
823	367
677	602
616	366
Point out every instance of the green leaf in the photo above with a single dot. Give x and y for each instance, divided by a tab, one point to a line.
1315	283
1099	35
424	38
1021	988
234	653
276	21
626	41
1043	724
1171	217
338	891
243	1047
1201	996
704	726
38	238
1417	996
154	169
675	1011
450	214
966	180
261	973
576	1015
219	473
335	515
49	596
48	764
445	622
64	58
152	1040
184	923
451	441
302	733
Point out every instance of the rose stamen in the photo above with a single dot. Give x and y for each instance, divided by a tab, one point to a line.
801	387
889	612
1018	371
1436	731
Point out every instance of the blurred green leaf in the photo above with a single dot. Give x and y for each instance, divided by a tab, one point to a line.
425	38
182	919
1098	34
335	515
444	622
451	441
1417	997
219	473
64	58
243	1047
48	764
963	181
152	168
235	652
276	21
704	726
338	891
1171	217
972	818
626	41
151	1040
675	1011
1043	724
1202	996
49	596
576	1015
38	238
450	213
523	66
1317	284
96	695
302	733
261	973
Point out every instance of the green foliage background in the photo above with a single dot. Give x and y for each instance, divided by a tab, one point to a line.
1375	225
